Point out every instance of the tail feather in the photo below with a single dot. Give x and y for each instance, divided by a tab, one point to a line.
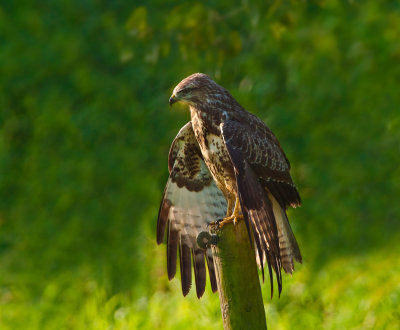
289	249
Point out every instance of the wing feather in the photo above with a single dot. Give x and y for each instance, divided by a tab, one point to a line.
186	267
262	151
199	264
258	160
172	248
211	270
190	202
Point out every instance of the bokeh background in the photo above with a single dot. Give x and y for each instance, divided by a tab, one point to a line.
85	130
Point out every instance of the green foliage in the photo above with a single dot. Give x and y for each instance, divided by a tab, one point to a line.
85	129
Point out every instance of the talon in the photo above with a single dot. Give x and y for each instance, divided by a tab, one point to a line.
215	223
233	218
219	223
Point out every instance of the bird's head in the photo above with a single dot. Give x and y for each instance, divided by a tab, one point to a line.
194	89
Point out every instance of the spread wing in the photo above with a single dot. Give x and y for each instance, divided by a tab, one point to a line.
191	201
265	189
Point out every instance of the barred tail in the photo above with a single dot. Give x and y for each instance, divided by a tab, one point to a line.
289	249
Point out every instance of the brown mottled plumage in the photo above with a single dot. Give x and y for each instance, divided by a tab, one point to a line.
225	152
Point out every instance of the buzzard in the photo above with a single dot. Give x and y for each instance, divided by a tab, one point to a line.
225	164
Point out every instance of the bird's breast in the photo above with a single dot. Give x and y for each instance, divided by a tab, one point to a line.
214	152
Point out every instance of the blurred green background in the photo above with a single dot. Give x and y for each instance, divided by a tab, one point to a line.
85	130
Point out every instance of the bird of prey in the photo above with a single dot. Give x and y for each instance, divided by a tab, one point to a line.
225	164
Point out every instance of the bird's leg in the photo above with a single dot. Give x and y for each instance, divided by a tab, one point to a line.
229	208
234	217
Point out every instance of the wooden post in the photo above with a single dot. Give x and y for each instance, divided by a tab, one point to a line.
237	277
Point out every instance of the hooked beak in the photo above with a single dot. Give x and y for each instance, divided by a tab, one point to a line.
172	100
